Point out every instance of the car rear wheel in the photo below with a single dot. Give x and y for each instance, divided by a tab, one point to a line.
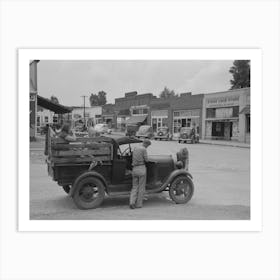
181	189
89	193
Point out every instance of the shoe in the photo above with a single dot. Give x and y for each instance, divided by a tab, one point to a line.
132	206
138	206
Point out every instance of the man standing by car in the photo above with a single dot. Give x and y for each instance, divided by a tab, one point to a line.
139	158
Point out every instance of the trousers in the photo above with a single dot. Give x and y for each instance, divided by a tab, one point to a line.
138	185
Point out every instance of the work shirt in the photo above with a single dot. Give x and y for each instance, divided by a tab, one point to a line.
139	156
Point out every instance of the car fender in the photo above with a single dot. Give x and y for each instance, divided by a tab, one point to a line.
171	177
178	172
84	175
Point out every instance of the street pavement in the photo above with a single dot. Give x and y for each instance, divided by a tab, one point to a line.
221	179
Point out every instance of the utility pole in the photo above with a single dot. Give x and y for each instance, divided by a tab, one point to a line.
84	97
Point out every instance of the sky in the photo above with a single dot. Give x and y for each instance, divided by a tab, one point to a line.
69	80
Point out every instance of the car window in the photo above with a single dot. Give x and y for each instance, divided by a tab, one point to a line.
144	129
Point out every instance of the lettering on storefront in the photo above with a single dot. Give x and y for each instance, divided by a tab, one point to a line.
222	101
159	113
186	113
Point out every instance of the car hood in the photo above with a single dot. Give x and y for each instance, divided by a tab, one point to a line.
160	158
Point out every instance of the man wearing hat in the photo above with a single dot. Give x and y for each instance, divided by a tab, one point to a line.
139	158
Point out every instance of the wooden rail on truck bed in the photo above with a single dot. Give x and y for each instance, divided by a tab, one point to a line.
84	150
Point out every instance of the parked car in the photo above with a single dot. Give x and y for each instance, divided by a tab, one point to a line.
88	171
188	134
131	129
145	131
42	129
163	134
102	128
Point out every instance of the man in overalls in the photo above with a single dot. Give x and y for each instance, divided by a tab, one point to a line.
139	158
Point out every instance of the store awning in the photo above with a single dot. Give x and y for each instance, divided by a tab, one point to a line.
48	104
136	119
246	110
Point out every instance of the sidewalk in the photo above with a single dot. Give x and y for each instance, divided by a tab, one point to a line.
225	143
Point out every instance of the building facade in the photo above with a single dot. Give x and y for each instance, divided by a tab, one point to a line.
187	112
108	115
33	91
131	108
93	115
226	115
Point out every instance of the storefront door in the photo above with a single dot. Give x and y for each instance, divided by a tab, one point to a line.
222	130
218	129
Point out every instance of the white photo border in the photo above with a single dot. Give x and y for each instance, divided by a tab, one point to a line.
255	222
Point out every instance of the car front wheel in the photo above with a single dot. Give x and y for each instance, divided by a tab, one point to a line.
89	193
181	189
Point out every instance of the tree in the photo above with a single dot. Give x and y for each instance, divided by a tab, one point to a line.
54	99
167	93
241	74
98	99
102	97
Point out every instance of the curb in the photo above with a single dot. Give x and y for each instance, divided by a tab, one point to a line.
226	145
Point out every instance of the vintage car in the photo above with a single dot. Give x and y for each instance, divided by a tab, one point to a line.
131	129
98	167
188	134
102	128
163	134
145	131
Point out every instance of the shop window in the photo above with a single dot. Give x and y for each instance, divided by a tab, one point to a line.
55	119
189	122
210	113
46	119
38	121
164	122
248	123
145	111
224	112
235	112
176	114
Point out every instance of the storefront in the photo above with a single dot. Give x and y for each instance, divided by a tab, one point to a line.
245	117
122	117
159	118
186	118
222	118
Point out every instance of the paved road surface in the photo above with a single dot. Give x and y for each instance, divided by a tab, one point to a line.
222	189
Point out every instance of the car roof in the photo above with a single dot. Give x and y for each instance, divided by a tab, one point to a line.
145	125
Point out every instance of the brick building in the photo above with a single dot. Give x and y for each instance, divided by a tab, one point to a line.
108	115
177	112
132	108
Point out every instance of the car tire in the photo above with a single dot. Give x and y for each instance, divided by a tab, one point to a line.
85	191
179	141
66	188
181	189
